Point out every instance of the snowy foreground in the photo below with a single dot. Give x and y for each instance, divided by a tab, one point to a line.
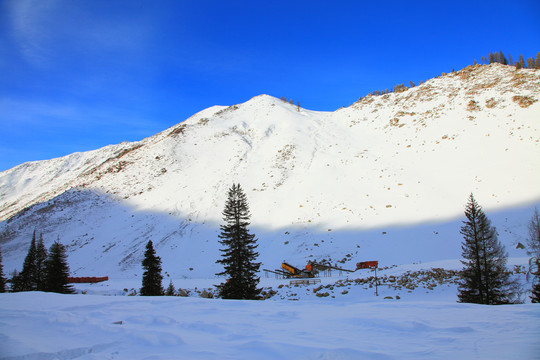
52	326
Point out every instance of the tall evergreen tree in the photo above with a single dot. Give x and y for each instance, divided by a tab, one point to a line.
57	270
535	294
485	278
27	276
239	253
152	278
533	249
533	241
41	258
2	278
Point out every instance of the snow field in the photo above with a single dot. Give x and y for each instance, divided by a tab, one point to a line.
50	326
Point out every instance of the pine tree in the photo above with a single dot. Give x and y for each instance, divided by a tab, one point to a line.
152	278
533	241
2	278
41	258
502	58
521	62
485	278
239	253
27	276
170	289
16	284
535	294
57	270
533	250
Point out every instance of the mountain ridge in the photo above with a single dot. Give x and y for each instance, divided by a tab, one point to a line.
391	159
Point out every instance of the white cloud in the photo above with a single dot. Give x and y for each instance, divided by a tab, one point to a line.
46	31
28	27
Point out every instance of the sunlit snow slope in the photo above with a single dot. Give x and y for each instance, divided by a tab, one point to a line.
385	178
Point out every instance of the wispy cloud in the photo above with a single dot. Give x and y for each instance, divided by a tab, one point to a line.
48	31
21	115
28	27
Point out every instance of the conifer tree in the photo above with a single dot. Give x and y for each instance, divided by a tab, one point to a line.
533	241
41	258
239	253
170	289
152	278
2	278
26	280
521	62
533	250
502	58
57	270
485	278
15	281
530	63
535	294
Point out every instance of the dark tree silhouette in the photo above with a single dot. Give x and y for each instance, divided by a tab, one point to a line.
485	278
2	278
170	289
535	294
152	278
41	258
26	280
533	249
57	270
239	253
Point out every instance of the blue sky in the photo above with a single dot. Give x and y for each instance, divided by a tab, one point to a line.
78	75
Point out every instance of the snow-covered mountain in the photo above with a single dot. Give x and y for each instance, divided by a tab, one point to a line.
386	178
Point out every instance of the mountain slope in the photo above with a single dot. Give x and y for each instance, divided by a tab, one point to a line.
334	179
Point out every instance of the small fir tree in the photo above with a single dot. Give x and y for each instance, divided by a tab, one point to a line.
2	278
485	278
41	258
239	253
502	58
57	270
152	278
521	62
16	284
27	276
170	289
535	293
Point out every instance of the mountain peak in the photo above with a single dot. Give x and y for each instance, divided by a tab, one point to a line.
399	158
